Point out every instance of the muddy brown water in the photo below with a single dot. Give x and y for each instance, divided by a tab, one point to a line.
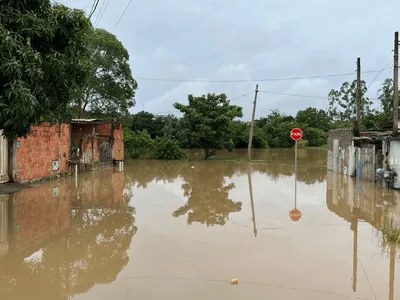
184	230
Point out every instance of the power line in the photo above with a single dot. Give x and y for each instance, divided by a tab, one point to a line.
101	9
379	73
258	80
102	12
94	7
241	96
123	13
177	111
300	95
294	95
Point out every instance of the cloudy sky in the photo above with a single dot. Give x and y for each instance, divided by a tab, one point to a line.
248	42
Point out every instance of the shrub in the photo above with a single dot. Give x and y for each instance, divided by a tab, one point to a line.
167	148
137	144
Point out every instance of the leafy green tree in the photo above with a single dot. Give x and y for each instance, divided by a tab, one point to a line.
138	143
314	117
154	125
315	137
240	132
342	102
277	127
168	149
385	96
208	119
110	88
40	62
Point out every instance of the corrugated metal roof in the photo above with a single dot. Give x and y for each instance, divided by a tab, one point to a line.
84	120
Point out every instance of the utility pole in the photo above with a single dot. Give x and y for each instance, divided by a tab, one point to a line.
358	96
396	85
252	124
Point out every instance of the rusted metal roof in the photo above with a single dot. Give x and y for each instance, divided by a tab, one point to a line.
84	120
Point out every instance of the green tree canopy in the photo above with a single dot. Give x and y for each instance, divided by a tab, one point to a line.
314	117
385	96
342	102
40	65
110	88
208	119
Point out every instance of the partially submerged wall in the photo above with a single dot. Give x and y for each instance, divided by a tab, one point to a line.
341	151
118	146
43	153
366	162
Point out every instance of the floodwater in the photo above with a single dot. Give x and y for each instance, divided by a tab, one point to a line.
183	230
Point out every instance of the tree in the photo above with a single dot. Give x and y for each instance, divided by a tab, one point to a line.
317	118
110	88
240	132
138	143
277	127
168	149
40	66
208	119
154	125
315	137
342	102
385	96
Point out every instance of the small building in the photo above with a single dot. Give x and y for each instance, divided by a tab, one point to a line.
363	155
54	150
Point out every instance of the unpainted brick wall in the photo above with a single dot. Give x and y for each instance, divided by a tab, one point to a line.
41	212
37	152
104	129
118	147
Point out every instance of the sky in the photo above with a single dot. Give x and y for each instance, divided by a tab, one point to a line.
248	43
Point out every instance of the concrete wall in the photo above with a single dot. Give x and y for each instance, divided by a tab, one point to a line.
394	155
341	151
366	162
35	154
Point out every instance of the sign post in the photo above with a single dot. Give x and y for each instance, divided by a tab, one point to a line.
296	134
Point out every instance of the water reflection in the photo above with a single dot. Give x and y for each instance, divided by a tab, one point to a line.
208	195
359	201
64	239
275	163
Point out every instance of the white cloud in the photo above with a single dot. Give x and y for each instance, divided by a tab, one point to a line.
227	40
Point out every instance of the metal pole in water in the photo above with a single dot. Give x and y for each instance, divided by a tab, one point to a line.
295	175
76	175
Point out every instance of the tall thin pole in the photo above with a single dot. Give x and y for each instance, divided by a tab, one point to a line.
252	124
358	95
396	85
295	175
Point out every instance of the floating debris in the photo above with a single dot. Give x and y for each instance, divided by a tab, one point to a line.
234	281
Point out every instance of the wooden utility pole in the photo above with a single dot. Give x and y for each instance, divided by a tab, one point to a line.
396	85
252	124
358	96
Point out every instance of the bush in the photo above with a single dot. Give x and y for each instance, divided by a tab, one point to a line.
315	137
167	148
137	144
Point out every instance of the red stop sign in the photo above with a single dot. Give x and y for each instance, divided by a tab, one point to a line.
296	134
295	215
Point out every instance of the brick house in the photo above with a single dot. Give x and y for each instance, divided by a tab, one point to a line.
53	150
